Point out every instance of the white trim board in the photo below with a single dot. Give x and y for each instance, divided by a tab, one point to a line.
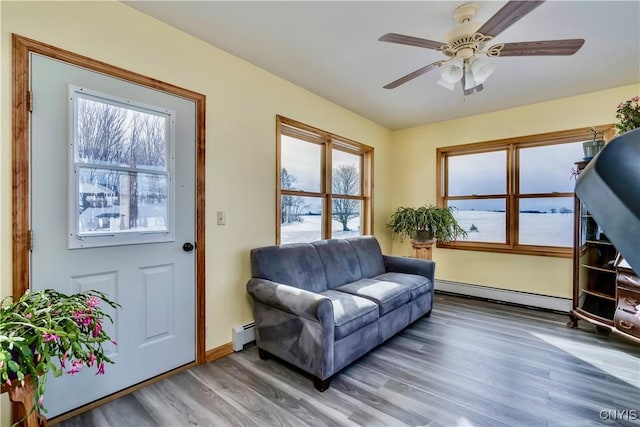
515	297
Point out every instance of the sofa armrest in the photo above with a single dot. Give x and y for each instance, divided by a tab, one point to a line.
417	266
293	300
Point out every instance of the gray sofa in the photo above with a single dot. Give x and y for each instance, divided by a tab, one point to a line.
322	305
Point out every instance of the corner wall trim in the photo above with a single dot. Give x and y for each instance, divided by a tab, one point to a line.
496	294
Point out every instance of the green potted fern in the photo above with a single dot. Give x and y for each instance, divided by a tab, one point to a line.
425	223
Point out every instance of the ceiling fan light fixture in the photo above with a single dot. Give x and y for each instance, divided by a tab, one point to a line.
481	68
446	84
452	71
469	81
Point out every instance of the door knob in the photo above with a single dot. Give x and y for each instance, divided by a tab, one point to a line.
188	247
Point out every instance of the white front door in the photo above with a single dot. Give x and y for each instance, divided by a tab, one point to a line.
112	203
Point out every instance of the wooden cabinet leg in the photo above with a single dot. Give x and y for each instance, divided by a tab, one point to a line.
573	321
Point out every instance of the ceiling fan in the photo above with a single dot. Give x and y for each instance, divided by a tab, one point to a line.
465	43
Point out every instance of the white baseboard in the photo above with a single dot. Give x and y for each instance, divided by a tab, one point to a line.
515	297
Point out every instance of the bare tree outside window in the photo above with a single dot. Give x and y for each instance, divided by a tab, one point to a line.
122	156
346	181
292	207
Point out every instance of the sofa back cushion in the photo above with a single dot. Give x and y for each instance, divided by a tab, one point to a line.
295	264
369	255
339	260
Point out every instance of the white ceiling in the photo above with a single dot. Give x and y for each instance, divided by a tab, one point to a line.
331	48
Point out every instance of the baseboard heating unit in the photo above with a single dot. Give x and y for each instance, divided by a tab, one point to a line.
505	295
243	334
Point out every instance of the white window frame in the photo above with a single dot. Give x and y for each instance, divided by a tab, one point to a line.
77	240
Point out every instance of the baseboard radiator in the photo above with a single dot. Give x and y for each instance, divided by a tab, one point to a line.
505	295
243	334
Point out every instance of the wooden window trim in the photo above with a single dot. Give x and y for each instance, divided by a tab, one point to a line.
330	141
512	197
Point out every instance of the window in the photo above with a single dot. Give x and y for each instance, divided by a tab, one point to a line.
514	195
120	185
324	186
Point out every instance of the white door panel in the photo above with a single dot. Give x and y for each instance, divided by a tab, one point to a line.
154	282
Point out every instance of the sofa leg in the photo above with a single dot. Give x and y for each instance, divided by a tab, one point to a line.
321	385
428	314
264	355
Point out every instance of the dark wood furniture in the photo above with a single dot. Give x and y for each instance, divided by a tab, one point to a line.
626	320
606	291
594	276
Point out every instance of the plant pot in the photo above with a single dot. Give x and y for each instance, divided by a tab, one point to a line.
423	236
591	148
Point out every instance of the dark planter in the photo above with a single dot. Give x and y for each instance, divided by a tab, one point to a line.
591	148
423	236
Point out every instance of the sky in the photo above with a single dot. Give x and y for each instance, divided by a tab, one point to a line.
303	161
542	170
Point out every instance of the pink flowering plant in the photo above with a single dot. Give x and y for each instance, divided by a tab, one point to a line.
628	115
50	331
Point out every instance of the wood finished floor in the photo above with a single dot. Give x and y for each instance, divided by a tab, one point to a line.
472	363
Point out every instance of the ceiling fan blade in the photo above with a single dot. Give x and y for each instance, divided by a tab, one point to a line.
411	41
510	13
542	48
411	76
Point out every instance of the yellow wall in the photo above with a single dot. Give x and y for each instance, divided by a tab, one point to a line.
414	164
242	102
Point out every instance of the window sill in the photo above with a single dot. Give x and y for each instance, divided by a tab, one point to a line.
548	251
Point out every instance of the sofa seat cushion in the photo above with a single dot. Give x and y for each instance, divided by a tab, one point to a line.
388	295
350	312
419	285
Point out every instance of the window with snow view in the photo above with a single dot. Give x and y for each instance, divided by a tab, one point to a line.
325	185
514	195
121	160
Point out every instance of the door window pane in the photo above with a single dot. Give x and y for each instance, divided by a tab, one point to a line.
120	190
347	218
109	134
301	219
116	201
301	165
547	169
481	174
484	220
546	221
346	173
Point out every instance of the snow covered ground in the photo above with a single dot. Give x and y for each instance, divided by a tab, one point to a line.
548	229
310	229
552	229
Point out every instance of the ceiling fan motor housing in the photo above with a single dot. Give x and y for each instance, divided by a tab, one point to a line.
464	40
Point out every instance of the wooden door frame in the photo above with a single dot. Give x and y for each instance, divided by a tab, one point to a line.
21	106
